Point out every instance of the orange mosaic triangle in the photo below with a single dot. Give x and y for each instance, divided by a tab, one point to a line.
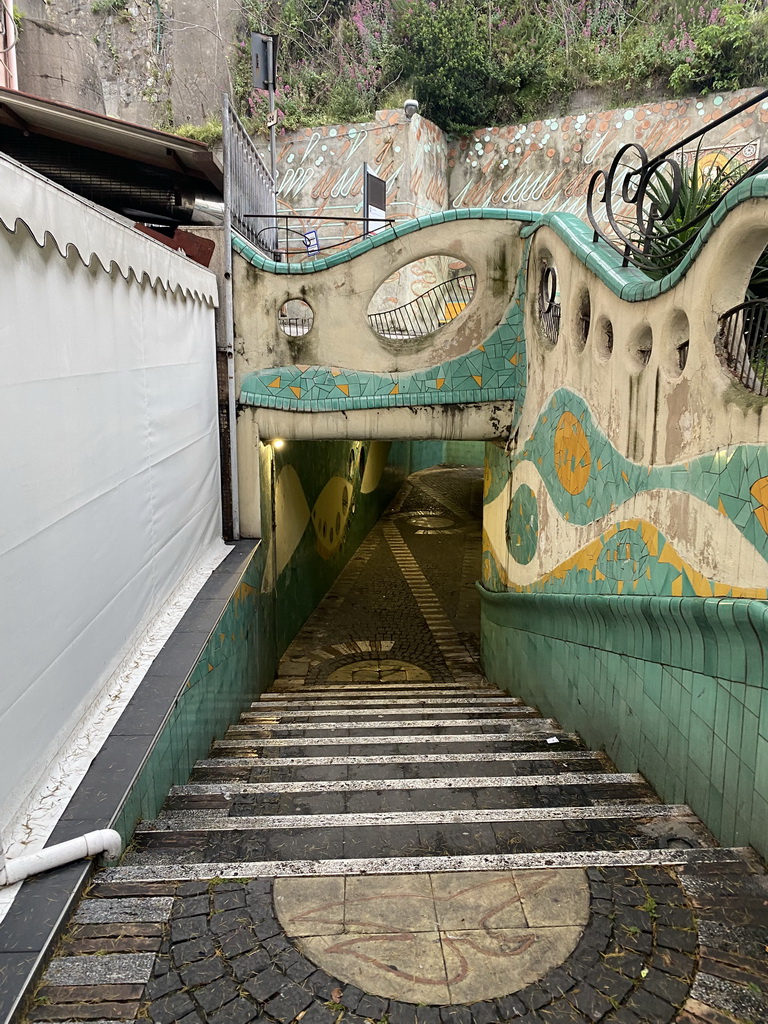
275	383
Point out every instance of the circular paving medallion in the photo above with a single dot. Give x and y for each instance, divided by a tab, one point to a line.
379	670
436	938
430	522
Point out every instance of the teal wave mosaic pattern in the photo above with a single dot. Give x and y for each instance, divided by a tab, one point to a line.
389	234
587	478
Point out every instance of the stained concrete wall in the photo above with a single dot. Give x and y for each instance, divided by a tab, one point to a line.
153	62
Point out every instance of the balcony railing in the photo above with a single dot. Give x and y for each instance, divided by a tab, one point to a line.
427	312
742	343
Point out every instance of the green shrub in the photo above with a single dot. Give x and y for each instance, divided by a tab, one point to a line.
108	6
472	63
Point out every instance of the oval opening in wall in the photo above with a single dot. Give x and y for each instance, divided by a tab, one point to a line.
421	298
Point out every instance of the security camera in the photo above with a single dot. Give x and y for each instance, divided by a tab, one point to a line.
411	107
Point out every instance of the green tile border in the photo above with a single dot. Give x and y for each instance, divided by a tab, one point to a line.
672	687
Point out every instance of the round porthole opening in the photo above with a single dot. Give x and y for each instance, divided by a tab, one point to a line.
295	318
642	348
604	339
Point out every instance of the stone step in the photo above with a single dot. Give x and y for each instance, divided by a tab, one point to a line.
386	717
531	719
369	691
182	870
355	797
362	706
398	766
200	838
375	746
394	731
211	820
378	785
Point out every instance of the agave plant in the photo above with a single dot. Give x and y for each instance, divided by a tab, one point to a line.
676	199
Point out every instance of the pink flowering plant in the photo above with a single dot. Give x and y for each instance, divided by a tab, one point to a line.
472	63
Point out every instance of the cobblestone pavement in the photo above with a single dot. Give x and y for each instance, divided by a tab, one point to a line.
385	838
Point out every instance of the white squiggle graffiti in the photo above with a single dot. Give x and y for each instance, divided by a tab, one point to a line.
294	180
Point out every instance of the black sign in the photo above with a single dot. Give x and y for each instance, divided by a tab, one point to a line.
263	60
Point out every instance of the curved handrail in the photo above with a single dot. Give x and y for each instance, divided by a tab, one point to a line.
428	311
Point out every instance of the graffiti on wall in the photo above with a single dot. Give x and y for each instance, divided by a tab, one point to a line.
545	165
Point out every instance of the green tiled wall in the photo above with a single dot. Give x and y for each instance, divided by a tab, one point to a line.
237	663
425	454
671	687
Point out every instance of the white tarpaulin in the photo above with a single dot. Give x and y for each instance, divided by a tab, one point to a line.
110	473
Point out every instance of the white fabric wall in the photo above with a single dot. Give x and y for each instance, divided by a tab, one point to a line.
109	457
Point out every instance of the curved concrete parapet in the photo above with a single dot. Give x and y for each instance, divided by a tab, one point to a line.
476	361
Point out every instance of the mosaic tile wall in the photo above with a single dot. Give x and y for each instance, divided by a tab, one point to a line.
629	600
495	370
491	372
587	479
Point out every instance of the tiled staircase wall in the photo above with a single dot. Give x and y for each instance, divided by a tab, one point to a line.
240	648
671	687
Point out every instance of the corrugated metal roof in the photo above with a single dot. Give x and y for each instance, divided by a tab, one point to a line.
103	134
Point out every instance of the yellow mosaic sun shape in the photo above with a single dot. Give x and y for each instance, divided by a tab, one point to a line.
573	459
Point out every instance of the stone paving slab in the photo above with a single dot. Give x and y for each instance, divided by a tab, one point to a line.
125	969
151	908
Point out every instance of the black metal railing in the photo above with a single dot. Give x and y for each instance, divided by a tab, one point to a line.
654	207
296	236
742	343
248	185
549	307
295	326
426	313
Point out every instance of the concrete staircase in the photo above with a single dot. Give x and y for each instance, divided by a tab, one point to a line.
363	774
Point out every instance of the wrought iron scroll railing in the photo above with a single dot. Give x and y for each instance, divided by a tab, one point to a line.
651	209
427	312
742	343
248	186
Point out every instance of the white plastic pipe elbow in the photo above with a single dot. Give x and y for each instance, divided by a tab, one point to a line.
105	840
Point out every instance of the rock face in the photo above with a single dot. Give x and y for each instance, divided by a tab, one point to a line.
153	62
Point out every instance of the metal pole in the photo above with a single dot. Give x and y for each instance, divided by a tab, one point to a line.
271	86
228	316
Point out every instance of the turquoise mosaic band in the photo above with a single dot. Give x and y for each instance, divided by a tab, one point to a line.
587	478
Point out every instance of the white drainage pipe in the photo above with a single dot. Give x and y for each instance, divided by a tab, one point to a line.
105	840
